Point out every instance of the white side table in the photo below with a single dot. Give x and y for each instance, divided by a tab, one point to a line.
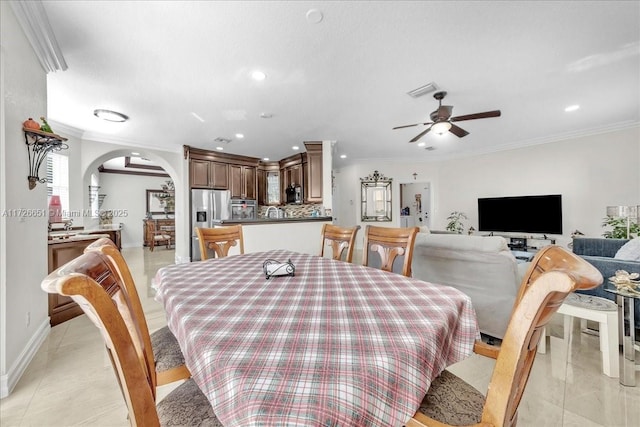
596	309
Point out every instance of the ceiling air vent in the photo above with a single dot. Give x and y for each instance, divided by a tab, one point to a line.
222	140
423	90
430	148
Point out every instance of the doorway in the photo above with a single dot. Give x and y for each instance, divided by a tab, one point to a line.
415	204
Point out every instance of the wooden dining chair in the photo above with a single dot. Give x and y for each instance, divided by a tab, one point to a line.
166	353
340	239
553	274
220	240
94	283
389	243
157	236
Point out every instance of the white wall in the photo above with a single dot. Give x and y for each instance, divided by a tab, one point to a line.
590	172
23	239
127	194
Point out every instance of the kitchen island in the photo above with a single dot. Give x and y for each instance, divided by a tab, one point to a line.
299	234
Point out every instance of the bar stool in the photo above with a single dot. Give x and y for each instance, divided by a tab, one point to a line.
596	309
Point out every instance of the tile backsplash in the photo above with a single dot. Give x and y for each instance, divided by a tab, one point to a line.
294	211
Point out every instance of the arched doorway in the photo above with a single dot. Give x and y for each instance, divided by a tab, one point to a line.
131	196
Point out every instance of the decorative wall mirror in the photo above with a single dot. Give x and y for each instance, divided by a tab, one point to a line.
375	198
158	203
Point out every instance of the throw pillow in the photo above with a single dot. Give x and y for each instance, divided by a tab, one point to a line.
630	251
424	229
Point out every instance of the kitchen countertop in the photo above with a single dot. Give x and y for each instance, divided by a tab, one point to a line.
71	237
259	221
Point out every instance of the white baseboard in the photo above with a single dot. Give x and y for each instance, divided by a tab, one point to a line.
11	378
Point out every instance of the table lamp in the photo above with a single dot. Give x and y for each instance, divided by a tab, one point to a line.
630	213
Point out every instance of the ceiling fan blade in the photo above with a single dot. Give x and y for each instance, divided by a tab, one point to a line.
458	131
486	114
408	126
421	134
444	112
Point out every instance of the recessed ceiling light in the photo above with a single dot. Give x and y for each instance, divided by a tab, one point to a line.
314	16
239	135
219	148
258	75
343	156
421	144
571	108
111	116
266	159
295	147
135	153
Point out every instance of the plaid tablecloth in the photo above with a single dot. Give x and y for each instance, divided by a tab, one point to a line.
338	344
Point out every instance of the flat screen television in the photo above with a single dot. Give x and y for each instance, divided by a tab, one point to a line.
524	214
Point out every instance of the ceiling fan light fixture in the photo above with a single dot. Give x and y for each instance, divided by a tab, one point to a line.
441	128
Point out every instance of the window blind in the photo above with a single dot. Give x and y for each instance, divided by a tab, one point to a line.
58	179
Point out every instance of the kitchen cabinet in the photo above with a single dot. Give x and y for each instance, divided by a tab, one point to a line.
312	170
243	182
114	235
290	174
209	174
63	308
293	176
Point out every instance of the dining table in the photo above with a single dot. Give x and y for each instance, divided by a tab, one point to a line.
331	344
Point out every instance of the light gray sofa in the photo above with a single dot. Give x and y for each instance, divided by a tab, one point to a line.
482	267
600	253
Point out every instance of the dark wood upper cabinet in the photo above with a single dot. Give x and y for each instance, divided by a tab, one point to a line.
208	174
219	175
199	173
312	168
243	182
249	178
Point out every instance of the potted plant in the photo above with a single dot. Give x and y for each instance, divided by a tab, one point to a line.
455	222
619	230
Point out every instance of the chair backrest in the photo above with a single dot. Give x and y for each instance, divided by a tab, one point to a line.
390	243
93	282
220	240
109	249
340	239
553	274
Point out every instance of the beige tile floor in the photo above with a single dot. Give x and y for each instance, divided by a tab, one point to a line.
70	381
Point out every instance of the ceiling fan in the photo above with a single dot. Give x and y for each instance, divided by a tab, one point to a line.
441	120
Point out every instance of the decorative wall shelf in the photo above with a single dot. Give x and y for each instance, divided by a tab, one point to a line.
39	144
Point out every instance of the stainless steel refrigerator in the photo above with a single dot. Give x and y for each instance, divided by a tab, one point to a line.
206	207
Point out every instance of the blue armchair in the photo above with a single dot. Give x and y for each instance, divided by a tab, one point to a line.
600	253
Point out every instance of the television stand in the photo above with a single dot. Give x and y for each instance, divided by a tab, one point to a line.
524	248
523	256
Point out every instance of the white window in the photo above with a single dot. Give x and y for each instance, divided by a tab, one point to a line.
94	197
58	179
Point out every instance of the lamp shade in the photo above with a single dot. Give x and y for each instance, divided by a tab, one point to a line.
623	211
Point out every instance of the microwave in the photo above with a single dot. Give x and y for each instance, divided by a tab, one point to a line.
243	209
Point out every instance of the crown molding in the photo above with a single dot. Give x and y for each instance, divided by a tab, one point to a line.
35	23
